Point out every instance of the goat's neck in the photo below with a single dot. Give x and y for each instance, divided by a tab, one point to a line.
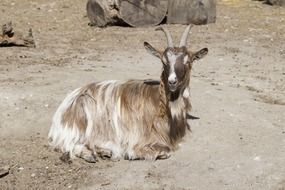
172	105
168	98
162	98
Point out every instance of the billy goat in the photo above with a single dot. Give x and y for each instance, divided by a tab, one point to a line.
135	119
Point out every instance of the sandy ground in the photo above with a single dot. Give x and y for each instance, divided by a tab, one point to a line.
238	92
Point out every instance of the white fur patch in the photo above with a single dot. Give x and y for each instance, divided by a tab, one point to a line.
89	128
172	77
176	107
164	59
186	93
185	59
64	137
172	60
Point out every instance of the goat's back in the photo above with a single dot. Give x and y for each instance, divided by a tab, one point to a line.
110	114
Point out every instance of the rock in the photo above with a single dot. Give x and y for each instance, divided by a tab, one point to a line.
196	12
138	13
20	168
10	38
133	12
4	171
276	2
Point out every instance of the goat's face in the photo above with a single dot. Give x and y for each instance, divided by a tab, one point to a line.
177	61
176	67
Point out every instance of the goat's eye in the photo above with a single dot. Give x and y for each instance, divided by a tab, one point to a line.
180	70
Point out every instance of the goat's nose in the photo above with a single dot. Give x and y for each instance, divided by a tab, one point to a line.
172	79
172	82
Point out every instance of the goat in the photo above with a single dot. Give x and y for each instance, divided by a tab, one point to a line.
135	119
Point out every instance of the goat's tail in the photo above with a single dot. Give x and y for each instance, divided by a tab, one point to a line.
62	136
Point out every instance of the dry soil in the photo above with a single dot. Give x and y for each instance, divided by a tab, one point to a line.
238	92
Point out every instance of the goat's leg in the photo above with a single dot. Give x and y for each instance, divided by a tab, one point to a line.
141	153
82	151
65	157
163	151
103	153
106	154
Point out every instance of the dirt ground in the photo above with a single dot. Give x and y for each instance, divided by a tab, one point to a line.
238	92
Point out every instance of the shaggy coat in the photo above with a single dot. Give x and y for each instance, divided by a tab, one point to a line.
134	119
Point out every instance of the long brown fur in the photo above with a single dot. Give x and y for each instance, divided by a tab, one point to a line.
135	119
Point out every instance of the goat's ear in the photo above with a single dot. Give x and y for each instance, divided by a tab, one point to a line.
152	50
200	54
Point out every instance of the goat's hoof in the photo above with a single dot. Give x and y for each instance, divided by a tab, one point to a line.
90	158
104	154
163	156
126	157
65	157
131	158
104	157
115	159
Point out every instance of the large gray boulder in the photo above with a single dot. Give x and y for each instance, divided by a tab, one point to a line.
274	2
139	13
191	11
133	12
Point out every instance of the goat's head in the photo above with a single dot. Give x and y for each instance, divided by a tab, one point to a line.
177	61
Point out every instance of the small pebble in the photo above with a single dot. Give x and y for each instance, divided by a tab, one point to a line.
257	158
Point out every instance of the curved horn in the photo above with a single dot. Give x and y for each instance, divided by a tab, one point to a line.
184	36
168	36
